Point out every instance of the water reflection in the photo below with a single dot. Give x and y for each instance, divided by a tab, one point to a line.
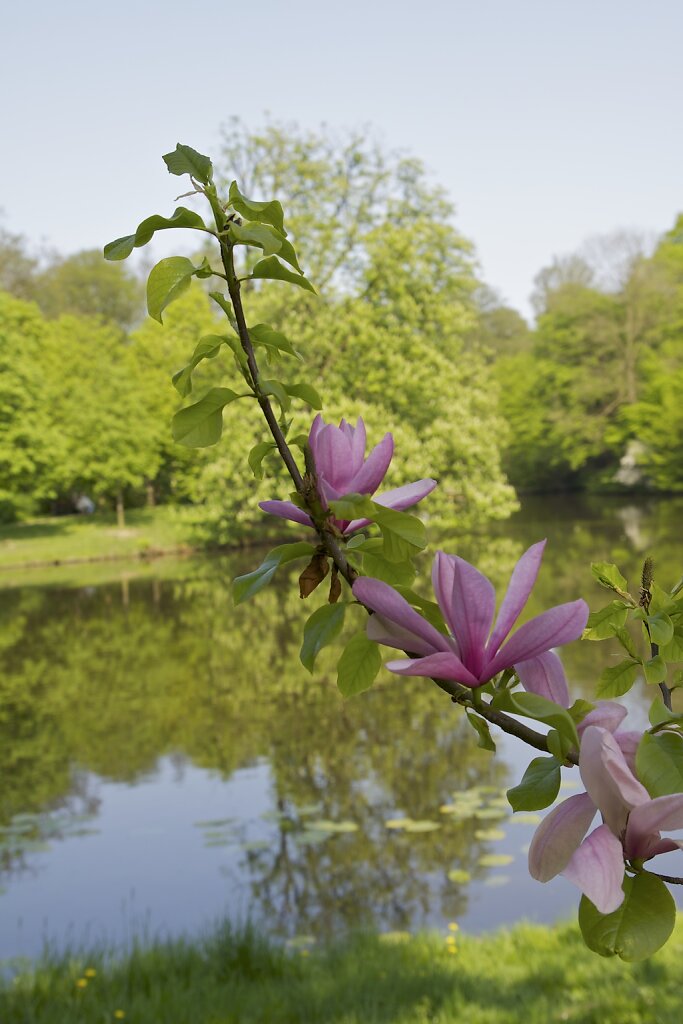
275	792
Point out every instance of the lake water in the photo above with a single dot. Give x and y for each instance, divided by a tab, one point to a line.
166	761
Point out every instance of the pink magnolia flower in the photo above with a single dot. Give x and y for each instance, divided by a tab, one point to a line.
339	456
631	828
469	655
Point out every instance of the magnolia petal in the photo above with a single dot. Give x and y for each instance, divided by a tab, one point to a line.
382	631
558	836
399	498
628	745
368	479
608	779
333	458
607	714
645	822
358	442
316	426
435	666
597	868
286	510
384	600
443	571
469	610
545	676
520	586
559	625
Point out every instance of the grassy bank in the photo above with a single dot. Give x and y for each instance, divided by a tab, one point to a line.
63	539
530	975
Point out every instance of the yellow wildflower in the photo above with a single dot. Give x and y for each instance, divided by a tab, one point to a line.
453	926
81	983
119	1014
90	972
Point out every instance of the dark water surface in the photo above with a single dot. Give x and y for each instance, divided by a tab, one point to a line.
166	761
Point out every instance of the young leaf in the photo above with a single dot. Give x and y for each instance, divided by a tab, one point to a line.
626	640
263	213
263	334
207	347
609	576
267	238
307	393
358	666
661	628
655	670
481	727
600	624
277	389
246	586
617	680
429	609
185	160
530	705
638	928
324	626
271	269
673	650
120	248
166	282
539	786
257	455
201	424
659	763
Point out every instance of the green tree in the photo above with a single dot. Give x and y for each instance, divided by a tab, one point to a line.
86	285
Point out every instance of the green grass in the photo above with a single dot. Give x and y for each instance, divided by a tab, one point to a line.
63	539
530	975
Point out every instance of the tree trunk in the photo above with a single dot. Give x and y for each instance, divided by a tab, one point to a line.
120	513
151	496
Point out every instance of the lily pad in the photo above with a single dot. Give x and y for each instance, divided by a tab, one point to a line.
494	881
489	834
324	825
459	876
495	860
422	826
526	818
397	822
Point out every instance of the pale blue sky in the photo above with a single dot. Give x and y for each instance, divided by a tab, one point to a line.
546	120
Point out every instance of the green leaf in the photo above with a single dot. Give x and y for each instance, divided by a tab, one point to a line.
324	626
660	713
530	705
224	303
207	347
263	334
609	576
673	650
185	160
263	213
401	573
661	628
403	534
640	926
659	763
246	586
655	670
257	455
277	389
120	248
358	666
626	640
166	282
201	424
618	679
265	237
481	727
580	708
271	269
600	623
352	506
306	392
539	786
